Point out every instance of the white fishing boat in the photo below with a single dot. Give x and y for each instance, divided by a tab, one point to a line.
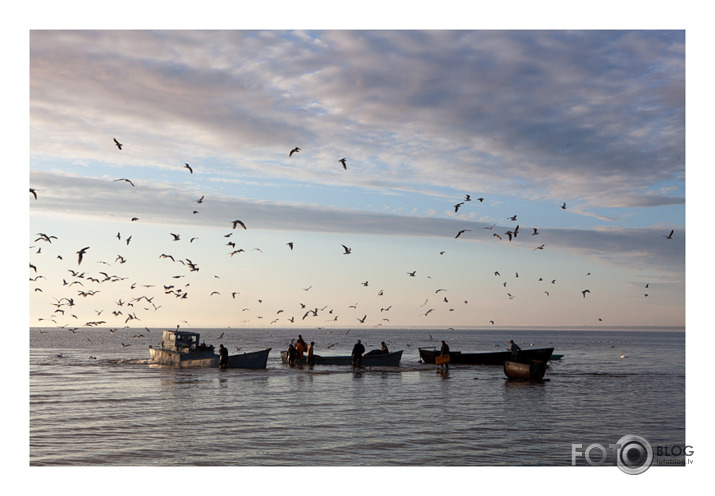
182	349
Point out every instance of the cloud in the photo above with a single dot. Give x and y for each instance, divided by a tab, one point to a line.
599	114
168	204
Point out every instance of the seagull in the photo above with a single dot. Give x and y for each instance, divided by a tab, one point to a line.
540	247
200	200
238	223
669	236
362	321
456	207
412	274
536	231
176	236
513	217
122	179
584	292
290	243
342	161
563	207
623	355
188	167
34	193
294	150
119	145
347	250
81	254
490	227
460	233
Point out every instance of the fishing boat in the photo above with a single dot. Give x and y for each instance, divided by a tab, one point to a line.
371	359
532	371
182	349
428	355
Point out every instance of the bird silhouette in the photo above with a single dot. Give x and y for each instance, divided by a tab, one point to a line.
342	161
34	193
238	223
584	292
461	232
80	254
669	236
294	150
187	166
563	207
123	179
119	145
347	251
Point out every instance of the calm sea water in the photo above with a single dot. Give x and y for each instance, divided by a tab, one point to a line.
116	409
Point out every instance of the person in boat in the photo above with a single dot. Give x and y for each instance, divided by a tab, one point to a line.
383	348
514	348
311	356
300	346
358	350
444	350
222	357
292	354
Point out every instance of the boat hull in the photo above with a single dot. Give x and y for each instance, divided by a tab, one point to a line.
381	360
532	371
428	355
208	359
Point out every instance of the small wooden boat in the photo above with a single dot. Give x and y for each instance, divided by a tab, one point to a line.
182	349
428	355
368	360
532	371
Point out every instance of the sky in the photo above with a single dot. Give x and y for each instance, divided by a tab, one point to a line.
577	134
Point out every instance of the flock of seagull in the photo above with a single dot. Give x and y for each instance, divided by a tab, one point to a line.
126	310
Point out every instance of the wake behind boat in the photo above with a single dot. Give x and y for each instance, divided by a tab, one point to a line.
182	349
428	355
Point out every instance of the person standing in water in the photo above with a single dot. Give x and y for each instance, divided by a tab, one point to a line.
222	357
444	351
358	350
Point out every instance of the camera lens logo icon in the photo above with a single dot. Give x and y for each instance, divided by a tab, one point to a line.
634	455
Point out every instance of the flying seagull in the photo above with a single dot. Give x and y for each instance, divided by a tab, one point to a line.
119	145
342	161
34	193
669	236
460	233
294	150
188	167
81	254
348	251
122	179
584	292
563	207
238	223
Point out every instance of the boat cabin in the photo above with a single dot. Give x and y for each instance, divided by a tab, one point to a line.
180	341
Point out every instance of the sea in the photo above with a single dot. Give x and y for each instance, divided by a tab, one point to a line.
95	400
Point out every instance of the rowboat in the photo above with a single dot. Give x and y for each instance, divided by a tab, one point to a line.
182	349
428	355
391	359
533	371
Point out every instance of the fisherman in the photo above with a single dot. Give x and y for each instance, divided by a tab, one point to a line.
311	357
300	346
444	351
292	355
222	357
383	348
358	350
514	348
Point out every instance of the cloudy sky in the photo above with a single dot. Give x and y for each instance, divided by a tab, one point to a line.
526	120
